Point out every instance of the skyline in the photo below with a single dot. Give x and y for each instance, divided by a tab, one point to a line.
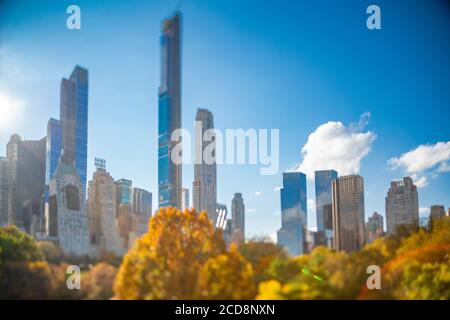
373	163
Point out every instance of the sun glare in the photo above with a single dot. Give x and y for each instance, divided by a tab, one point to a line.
9	110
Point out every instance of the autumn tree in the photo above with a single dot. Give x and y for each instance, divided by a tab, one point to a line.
165	263
260	253
227	277
97	283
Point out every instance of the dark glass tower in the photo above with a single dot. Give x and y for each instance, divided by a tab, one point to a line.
323	180
292	234
169	113
74	120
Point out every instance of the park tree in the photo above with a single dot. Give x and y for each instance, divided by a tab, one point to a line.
261	253
227	277
97	283
165	263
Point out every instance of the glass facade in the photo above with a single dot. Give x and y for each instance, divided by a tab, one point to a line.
74	120
169	113
323	181
53	148
123	191
292	234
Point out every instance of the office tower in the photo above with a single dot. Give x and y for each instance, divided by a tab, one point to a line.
323	179
169	114
123	192
348	213
224	223
3	191
238	219
142	203
124	221
221	213
67	220
53	148
185	199
437	212
402	204
103	227
374	227
292	234
74	121
204	187
26	181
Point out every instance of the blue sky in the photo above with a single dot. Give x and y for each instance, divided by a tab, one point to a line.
308	68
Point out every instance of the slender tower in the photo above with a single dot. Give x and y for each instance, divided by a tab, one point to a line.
169	114
204	187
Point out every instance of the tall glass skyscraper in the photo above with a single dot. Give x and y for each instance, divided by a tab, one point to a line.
169	113
53	148
323	180
204	187
74	120
292	234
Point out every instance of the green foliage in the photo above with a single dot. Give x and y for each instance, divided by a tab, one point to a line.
414	267
260	254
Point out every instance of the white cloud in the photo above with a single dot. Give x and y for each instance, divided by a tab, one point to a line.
10	110
258	193
250	210
336	146
276	189
420	182
423	160
424	157
424	211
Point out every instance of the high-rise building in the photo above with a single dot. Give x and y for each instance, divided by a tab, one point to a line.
348	213
103	226
53	148
221	212
123	193
3	191
323	179
402	204
437	212
142	203
74	121
185	199
374	227
169	114
26	181
204	187
67	221
238	218
292	234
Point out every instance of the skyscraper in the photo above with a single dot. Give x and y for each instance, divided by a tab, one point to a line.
238	218
348	213
402	204
185	199
103	226
25	180
292	234
123	192
142	203
169	113
374	227
204	187
437	212
53	148
67	220
3	191
323	179
74	121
